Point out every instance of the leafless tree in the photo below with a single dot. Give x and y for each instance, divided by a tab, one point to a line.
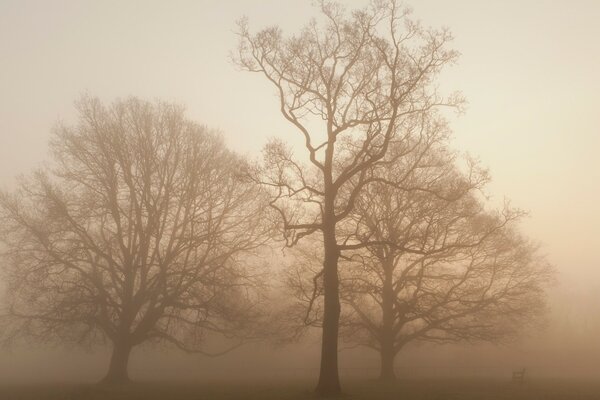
142	230
352	85
446	269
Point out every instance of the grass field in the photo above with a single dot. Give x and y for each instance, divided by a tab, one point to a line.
357	390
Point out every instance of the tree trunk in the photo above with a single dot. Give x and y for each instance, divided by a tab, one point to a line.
387	334
329	381
117	370
387	364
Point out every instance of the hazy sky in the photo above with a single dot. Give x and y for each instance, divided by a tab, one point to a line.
529	70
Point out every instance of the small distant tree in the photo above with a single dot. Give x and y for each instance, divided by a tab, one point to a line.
142	230
351	86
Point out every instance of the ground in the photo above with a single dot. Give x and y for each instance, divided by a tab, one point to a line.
422	389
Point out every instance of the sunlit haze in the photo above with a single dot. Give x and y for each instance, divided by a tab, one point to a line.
528	70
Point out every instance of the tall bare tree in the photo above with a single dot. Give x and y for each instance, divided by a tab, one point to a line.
142	230
351	85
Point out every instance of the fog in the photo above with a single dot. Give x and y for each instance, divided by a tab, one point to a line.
527	69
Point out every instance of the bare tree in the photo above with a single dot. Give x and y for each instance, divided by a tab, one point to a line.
142	230
352	85
440	267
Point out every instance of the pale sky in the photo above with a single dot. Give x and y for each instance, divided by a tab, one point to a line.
529	70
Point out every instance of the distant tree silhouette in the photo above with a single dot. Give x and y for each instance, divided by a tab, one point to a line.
352	86
140	231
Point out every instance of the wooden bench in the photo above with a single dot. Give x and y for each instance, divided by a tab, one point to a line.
518	376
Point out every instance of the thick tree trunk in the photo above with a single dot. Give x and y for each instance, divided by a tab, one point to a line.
387	338
329	382
387	363
117	370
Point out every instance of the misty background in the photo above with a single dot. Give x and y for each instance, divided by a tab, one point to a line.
528	70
